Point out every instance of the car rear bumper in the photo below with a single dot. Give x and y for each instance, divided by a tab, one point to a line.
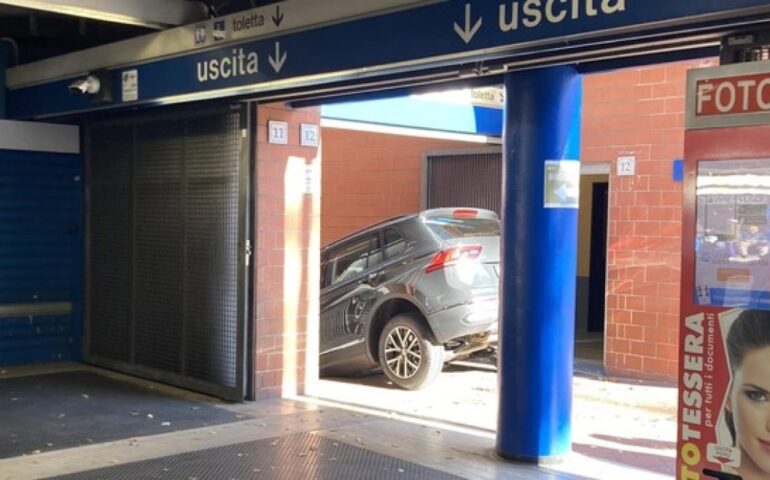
464	320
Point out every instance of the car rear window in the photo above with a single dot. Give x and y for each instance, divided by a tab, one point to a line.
449	227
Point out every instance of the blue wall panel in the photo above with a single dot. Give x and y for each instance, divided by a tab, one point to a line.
37	339
41	254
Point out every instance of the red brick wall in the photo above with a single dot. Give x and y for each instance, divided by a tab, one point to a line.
637	112
640	112
368	177
286	257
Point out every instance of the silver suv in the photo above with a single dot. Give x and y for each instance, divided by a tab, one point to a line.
409	294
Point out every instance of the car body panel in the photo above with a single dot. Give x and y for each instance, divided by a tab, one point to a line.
458	300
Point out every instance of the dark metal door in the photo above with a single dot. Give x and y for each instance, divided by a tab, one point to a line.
167	231
597	288
464	179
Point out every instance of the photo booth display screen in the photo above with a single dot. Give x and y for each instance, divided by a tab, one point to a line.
732	245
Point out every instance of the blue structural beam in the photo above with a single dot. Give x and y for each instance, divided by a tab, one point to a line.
452	36
539	258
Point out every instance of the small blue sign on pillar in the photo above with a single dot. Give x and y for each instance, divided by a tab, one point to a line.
677	173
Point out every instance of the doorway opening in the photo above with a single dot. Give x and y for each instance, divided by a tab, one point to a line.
373	173
592	270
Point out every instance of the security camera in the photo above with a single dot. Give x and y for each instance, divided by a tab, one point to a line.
85	86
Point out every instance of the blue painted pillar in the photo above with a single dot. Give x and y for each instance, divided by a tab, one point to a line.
539	263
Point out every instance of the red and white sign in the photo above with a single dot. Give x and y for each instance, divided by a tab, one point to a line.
733	95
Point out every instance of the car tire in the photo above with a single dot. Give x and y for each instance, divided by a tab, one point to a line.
408	354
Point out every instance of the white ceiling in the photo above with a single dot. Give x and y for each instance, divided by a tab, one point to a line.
157	14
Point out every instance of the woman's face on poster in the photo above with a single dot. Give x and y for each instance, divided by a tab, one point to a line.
750	403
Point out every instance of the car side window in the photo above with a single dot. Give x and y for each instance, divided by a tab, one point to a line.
326	272
394	243
375	258
352	259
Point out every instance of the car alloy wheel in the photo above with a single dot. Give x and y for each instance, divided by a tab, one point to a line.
408	354
403	352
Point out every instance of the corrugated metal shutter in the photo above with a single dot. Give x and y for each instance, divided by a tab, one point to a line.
166	218
464	179
41	257
110	243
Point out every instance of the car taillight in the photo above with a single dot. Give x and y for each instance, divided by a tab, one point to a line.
465	213
452	255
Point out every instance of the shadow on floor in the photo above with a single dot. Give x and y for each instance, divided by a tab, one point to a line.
643	461
638	442
41	413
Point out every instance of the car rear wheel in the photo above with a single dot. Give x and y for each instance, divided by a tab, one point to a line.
408	355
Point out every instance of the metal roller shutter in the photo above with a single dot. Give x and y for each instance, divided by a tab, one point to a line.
41	257
109	244
464	179
167	224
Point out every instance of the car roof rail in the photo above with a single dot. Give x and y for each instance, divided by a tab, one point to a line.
375	226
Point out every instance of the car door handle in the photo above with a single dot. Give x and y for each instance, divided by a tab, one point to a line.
370	278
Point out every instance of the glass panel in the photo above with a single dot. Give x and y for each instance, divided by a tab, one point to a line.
732	231
394	243
352	259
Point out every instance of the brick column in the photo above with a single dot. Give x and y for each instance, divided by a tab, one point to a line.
287	239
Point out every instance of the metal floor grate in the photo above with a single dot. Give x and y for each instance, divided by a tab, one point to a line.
299	456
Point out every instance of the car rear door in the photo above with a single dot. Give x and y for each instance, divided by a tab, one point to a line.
345	290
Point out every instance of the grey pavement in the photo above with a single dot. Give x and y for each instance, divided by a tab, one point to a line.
343	428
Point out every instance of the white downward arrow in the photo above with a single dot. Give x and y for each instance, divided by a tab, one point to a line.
279	59
468	33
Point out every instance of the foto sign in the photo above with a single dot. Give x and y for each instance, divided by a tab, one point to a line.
733	95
